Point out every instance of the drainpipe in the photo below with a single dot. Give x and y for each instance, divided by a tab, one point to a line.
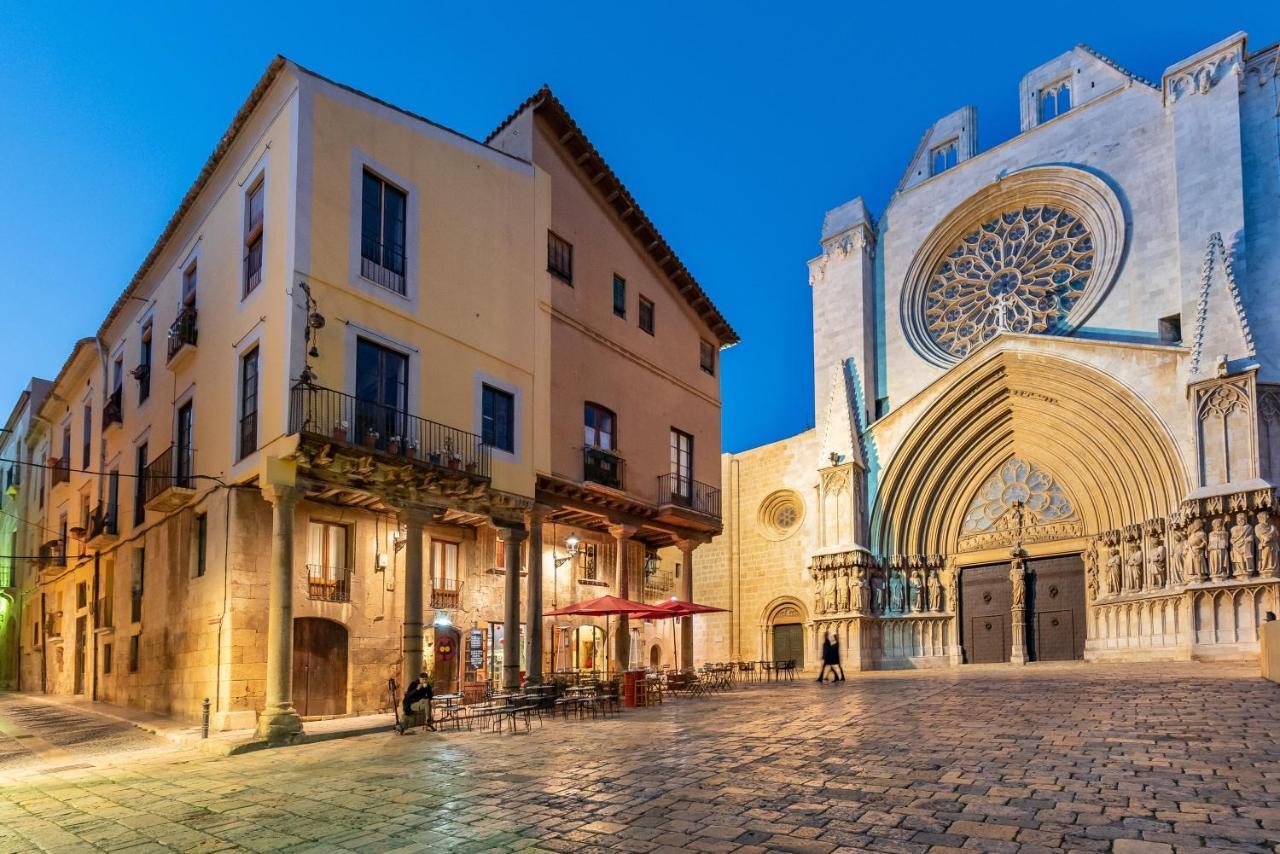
92	639
44	648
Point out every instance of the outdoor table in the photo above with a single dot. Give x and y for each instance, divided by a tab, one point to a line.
447	704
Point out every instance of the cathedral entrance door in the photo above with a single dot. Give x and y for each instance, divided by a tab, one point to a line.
1055	607
984	611
788	643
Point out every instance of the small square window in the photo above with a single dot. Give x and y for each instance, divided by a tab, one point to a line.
1171	329
646	315
619	296
560	257
707	357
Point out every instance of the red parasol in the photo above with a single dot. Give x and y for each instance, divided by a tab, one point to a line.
605	606
677	608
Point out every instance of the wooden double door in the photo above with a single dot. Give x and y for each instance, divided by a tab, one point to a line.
1055	617
319	667
788	643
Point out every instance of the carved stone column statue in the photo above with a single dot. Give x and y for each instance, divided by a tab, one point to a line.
1241	547
1018	601
1266	534
935	591
860	590
829	597
1219	548
842	591
917	592
1176	557
897	595
1194	567
1113	569
877	592
1133	567
953	592
1156	563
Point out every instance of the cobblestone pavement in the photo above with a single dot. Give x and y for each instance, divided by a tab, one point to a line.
1031	759
37	738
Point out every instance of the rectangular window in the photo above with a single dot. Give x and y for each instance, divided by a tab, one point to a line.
1055	100
942	157
190	277
139	485
600	427
202	544
82	595
253	234
133	654
136	588
143	373
588	565
707	357
383	218
62	539
444	565
183	463
646	315
619	296
498	419
559	257
328	575
681	463
106	659
248	403
1171	329
87	456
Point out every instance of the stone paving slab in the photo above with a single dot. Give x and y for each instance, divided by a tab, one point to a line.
1150	758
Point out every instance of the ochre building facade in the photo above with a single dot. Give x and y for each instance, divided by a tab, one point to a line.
1047	415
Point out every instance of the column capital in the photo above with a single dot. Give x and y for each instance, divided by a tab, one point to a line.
282	495
417	515
622	532
512	533
537	514
688	545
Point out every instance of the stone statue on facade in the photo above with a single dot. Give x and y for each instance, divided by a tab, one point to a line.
1242	547
1156	564
953	592
916	588
842	591
877	592
829	593
1113	569
1091	571
935	591
1266	535
860	590
1194	567
897	595
1133	567
1018	584
1176	557
1219	548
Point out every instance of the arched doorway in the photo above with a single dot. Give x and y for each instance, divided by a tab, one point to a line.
319	667
784	628
655	656
446	660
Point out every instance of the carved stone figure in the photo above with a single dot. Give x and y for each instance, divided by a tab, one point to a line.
1268	542
1176	557
953	592
1113	570
916	589
1242	547
1018	584
1091	571
860	590
1219	547
897	595
935	591
877	593
828	593
1194	567
842	591
1133	567
1156	563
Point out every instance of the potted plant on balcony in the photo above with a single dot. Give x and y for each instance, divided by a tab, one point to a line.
340	431
393	445
455	461
434	457
471	467
411	448
370	438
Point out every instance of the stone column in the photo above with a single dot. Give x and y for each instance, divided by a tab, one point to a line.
279	722
411	666
686	593
513	536
1018	617
533	611
622	640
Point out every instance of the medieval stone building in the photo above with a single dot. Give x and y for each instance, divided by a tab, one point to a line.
1047	392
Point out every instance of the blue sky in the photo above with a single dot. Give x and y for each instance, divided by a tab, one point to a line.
736	128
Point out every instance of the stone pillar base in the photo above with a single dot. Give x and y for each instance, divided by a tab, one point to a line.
280	726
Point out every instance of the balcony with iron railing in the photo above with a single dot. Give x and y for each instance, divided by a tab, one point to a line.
113	409
328	583
169	479
337	417
658	587
103	528
183	333
603	467
446	593
59	471
687	494
52	553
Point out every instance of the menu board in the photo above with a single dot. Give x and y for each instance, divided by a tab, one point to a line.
475	649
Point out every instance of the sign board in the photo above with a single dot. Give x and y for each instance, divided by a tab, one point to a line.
475	649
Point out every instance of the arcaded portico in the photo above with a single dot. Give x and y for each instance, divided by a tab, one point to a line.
1047	412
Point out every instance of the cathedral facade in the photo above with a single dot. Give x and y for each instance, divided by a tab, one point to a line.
1047	375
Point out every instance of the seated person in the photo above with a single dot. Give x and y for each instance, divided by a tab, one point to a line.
417	700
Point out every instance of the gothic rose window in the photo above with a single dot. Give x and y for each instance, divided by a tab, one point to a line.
1017	480
1021	271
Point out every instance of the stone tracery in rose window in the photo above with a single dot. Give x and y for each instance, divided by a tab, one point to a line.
1021	271
1017	480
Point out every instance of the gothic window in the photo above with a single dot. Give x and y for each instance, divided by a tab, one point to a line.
942	157
1055	100
1020	271
1022	481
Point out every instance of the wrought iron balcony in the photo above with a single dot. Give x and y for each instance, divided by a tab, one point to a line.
603	467
52	553
328	583
61	471
446	593
113	410
342	418
183	332
169	479
102	525
689	494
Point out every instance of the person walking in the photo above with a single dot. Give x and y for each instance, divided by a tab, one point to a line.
828	658
837	669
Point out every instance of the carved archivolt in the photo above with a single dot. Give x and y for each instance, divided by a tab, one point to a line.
1035	252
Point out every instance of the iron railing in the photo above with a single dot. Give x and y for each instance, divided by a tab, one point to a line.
694	495
183	331
383	264
446	593
61	471
175	467
103	521
328	583
113	410
324	412
603	467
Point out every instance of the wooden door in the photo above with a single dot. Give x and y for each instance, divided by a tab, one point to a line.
985	601
1055	589
788	643
448	652
82	641
319	667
